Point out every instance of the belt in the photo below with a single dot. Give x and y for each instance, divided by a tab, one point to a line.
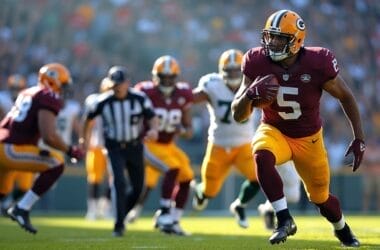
122	144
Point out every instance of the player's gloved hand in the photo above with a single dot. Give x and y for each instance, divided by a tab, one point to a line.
75	152
357	148
262	88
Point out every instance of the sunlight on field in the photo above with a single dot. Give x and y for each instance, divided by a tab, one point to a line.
207	233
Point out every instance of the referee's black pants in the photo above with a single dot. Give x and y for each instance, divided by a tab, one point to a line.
126	156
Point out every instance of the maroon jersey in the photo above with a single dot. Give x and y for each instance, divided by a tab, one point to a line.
168	109
296	111
20	126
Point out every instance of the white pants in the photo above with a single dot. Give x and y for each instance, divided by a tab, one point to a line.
291	181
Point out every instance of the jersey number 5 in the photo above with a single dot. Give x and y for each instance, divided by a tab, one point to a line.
295	106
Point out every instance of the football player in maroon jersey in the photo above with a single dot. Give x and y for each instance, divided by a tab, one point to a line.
33	116
291	127
172	102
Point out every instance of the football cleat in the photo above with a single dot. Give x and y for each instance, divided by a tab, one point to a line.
268	216
346	237
21	216
177	229
163	221
134	214
199	201
239	212
118	231
281	233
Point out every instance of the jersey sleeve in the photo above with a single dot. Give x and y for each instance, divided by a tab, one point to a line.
148	107
203	83
248	59
92	106
186	93
50	101
330	64
208	83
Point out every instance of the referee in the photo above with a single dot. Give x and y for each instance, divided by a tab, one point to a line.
124	113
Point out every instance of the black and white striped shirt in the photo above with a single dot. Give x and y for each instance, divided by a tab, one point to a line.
123	120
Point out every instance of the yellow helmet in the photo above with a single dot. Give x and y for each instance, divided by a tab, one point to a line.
166	65
288	24
229	67
165	71
54	76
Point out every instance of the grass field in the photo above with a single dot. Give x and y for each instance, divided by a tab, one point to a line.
73	232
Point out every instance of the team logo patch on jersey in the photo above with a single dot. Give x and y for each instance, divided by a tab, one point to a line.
305	78
181	101
285	77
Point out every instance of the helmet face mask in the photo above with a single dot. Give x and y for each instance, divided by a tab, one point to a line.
283	35
164	73
229	67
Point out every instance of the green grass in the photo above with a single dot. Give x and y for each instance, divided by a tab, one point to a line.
70	232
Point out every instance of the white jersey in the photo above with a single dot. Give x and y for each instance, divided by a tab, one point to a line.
96	139
65	120
6	101
224	130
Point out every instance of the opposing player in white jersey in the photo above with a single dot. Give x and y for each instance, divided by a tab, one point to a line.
68	120
18	182
228	141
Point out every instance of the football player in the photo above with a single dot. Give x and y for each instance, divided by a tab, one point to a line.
229	142
17	182
172	101
291	127
33	116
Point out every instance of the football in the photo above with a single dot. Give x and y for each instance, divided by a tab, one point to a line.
263	91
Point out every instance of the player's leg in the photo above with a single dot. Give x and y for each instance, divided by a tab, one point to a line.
292	191
24	181
7	180
96	164
28	158
164	152
249	188
270	147
310	159
185	175
154	168
214	170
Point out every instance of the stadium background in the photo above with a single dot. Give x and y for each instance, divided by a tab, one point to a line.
90	36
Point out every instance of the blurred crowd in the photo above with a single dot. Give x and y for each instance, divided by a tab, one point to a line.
91	35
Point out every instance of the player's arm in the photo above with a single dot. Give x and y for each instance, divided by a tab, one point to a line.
85	132
152	133
186	130
47	127
241	105
200	96
338	88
